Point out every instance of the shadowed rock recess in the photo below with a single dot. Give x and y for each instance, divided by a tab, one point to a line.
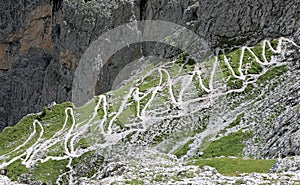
233	118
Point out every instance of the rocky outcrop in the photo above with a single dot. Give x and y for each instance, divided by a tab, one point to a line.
42	41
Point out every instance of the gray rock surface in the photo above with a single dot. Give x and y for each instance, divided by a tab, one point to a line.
41	43
276	118
291	164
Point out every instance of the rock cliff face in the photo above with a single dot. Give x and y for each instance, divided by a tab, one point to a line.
41	41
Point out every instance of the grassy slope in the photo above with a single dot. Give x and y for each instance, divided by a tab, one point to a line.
235	166
52	120
231	145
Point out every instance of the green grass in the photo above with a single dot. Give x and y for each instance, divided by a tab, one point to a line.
84	142
272	73
235	83
149	82
15	170
181	151
134	182
249	58
233	124
236	121
257	50
52	120
12	137
274	43
234	60
49	171
86	110
236	166
182	58
230	145
54	117
91	168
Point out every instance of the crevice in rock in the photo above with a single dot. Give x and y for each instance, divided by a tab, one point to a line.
143	5
56	5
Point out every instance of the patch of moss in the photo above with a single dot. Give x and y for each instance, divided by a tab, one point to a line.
176	178
233	124
229	42
240	181
191	62
157	139
188	62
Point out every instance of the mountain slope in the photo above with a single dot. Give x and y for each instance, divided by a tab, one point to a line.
42	41
244	103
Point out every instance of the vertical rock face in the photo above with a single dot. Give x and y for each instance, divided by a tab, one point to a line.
41	41
229	23
26	51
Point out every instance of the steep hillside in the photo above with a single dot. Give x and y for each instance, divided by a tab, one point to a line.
237	111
